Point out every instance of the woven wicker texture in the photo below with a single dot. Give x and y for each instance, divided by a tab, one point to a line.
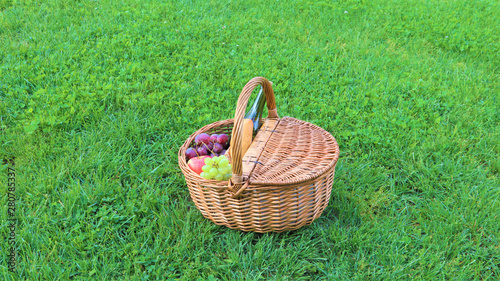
296	152
290	185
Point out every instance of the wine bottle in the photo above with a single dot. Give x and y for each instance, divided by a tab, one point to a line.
251	122
255	112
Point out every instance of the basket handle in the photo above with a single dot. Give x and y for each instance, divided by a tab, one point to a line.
236	155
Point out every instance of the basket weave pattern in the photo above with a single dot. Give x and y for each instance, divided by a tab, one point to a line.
290	185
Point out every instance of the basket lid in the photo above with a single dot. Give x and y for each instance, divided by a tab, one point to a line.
285	151
289	151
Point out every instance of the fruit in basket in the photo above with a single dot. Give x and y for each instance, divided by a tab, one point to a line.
218	148
209	146
190	153
202	150
217	168
222	170
196	163
223	163
213	138
201	139
222	139
209	162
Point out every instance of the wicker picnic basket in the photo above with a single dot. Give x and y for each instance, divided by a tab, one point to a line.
283	181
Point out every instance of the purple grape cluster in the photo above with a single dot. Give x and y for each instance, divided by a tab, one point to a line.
205	144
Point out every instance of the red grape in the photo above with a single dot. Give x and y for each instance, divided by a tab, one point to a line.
209	146
218	147
222	139
202	138
190	153
213	138
202	150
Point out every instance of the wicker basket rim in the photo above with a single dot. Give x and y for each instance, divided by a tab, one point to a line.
223	184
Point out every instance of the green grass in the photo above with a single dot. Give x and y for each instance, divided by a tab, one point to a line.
96	97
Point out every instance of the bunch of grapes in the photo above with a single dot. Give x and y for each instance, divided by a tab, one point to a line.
205	144
216	168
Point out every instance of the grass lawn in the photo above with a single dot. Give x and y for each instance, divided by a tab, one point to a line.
96	97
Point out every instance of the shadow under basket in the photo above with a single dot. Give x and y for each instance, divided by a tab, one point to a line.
282	183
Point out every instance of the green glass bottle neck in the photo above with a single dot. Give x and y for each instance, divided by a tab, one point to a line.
256	111
261	102
257	107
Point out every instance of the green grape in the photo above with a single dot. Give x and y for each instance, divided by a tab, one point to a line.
208	176
219	177
203	175
216	159
206	168
224	162
213	172
209	161
227	177
229	167
222	170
